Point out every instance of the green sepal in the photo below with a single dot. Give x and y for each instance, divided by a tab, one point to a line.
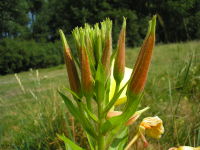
69	145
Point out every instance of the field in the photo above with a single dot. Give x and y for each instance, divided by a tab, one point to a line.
31	111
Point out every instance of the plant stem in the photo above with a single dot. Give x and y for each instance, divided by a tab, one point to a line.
100	141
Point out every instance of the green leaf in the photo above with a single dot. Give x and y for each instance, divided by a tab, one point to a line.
91	142
78	115
120	141
72	109
90	114
73	93
69	145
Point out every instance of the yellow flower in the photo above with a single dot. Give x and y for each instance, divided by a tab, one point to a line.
122	98
185	148
153	127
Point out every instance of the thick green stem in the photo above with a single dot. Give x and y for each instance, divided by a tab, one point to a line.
100	135
100	101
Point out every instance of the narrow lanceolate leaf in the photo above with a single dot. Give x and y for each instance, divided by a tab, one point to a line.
68	143
70	65
106	57
141	68
71	107
119	67
75	111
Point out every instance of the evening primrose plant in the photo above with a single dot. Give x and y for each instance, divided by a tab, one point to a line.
99	82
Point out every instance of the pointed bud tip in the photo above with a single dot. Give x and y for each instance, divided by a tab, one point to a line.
64	41
153	24
124	23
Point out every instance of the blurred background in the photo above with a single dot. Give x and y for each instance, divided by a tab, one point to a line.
32	70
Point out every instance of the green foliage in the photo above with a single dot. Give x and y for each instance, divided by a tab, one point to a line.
17	55
69	145
13	18
40	19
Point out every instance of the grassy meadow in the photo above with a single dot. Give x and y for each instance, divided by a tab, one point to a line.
31	111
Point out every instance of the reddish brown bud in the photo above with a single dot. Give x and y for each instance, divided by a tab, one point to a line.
119	67
70	65
141	68
86	75
108	47
107	54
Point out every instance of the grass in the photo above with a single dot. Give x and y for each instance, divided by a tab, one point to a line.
30	118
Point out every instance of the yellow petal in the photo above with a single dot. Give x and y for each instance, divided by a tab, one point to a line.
122	98
185	148
188	148
153	127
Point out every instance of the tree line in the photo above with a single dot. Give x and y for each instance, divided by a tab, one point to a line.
178	20
33	23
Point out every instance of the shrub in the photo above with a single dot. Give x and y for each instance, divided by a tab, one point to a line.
17	55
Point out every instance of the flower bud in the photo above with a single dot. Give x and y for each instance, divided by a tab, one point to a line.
86	75
139	75
135	116
70	65
107	47
113	114
131	120
119	67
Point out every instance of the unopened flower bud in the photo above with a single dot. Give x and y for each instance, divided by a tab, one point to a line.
113	114
131	120
108	47
86	75
70	65
119	67
143	61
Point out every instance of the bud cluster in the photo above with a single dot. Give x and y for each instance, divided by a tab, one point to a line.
97	75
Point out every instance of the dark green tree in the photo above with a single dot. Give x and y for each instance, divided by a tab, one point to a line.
13	18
